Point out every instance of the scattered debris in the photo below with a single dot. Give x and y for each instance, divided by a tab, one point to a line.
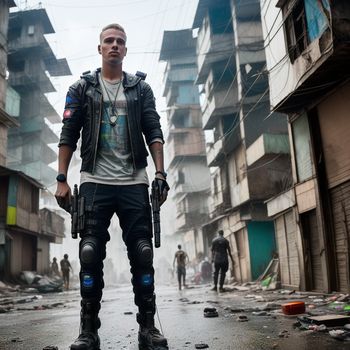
260	313
293	308
43	284
210	312
242	318
184	300
339	334
318	328
329	320
284	334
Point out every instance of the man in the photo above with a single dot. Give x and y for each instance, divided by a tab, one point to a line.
65	269
116	112
220	249
181	259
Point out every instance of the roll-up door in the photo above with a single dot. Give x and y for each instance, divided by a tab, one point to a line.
286	229
340	197
334	121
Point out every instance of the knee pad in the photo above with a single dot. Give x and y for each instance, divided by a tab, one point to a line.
143	253
90	252
91	261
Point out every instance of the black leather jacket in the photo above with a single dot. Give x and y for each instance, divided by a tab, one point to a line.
83	110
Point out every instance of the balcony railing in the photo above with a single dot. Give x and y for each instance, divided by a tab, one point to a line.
185	142
221	102
266	147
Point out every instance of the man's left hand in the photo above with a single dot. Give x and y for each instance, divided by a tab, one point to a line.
163	189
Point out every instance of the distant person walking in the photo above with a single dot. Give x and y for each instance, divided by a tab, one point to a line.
220	249
181	259
54	268
65	269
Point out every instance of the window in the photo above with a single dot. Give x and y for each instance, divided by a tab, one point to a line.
302	148
31	30
296	30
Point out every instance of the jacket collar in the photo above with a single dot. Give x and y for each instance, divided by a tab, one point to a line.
129	80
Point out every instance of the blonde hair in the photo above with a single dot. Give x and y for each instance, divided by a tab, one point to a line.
112	26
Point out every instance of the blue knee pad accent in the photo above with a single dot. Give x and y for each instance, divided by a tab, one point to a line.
146	280
87	280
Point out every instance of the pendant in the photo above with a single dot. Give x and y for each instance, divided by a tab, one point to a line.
113	120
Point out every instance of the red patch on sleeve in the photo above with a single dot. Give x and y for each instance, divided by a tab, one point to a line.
67	114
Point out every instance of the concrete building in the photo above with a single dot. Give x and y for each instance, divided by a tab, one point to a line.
185	147
25	231
31	62
6	120
249	155
308	50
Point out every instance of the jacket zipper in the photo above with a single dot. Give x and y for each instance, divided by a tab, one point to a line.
97	135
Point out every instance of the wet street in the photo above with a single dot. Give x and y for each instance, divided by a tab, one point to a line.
54	320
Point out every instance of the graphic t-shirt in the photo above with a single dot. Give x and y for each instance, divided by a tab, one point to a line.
114	164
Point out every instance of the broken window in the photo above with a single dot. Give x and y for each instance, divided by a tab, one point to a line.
305	21
296	30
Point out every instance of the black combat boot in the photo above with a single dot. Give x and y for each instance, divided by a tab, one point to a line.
150	337
89	324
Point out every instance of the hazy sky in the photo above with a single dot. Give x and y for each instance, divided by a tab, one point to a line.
78	24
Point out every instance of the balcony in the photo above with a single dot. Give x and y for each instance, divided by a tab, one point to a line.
176	75
33	80
240	193
51	225
221	102
266	148
211	48
28	44
188	116
215	153
185	142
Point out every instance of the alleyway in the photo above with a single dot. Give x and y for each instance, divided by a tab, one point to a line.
53	320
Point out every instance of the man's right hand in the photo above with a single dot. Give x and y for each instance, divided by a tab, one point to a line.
63	196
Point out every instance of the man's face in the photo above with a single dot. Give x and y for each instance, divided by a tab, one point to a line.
112	46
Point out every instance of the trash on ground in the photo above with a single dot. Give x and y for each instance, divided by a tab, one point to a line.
329	320
210	312
339	334
293	308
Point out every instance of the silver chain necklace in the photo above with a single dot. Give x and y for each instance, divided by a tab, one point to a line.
115	115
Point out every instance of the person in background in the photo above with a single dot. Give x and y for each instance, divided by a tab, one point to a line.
220	249
181	259
54	267
65	269
114	113
206	270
